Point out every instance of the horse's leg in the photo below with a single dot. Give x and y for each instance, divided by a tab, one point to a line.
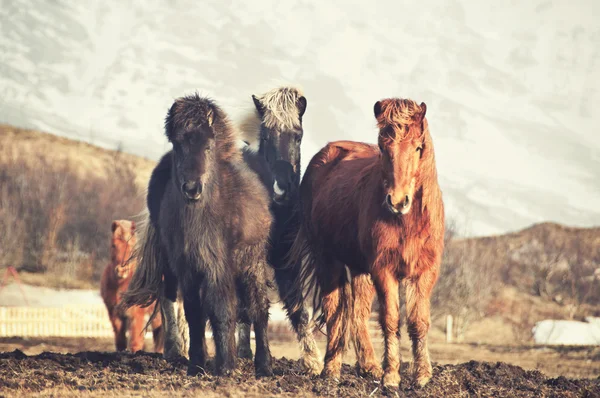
243	331
311	357
196	319
220	300
157	333
173	346
136	329
364	292
418	293
120	332
332	286
255	300
389	313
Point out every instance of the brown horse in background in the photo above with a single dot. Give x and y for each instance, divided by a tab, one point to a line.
378	212
114	282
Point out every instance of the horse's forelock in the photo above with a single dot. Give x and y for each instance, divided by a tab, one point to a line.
397	112
189	111
281	108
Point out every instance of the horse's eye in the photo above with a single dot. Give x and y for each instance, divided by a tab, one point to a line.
207	149
298	138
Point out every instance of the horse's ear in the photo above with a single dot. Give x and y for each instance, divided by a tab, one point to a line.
418	117
169	119
258	105
210	116
114	226
301	105
377	109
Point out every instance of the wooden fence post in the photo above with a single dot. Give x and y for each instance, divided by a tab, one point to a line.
449	328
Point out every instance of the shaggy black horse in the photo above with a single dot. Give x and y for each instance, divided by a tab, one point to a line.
212	225
277	125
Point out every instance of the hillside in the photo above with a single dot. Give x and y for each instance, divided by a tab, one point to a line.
509	282
532	258
32	147
59	198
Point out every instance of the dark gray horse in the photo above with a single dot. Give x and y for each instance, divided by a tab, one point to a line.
213	230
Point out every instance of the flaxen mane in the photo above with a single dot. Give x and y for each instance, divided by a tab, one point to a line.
281	112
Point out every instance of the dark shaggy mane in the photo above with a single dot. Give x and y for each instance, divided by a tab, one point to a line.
197	111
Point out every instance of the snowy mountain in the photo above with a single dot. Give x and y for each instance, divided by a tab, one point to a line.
512	88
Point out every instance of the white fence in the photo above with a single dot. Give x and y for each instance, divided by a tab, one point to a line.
91	320
69	321
76	321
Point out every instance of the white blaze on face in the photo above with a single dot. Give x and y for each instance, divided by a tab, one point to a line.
278	191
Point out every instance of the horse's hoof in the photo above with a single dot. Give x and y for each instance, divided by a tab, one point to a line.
172	356
421	381
173	352
195	370
264	371
244	353
331	373
391	380
228	372
311	365
370	370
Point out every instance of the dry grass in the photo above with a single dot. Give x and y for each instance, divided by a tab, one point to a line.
86	159
547	271
54	280
58	198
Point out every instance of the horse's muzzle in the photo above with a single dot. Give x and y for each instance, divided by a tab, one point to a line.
192	190
402	207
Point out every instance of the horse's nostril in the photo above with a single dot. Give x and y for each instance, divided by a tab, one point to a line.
388	200
191	189
406	201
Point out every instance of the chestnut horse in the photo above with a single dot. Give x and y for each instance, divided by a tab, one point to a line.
114	282
377	211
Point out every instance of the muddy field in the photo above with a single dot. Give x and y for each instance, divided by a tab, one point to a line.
93	373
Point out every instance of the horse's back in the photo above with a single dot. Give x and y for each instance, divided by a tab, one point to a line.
338	165
158	186
336	151
335	191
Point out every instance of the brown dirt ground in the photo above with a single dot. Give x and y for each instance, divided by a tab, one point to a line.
100	373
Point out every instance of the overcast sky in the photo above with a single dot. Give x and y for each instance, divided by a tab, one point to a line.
512	88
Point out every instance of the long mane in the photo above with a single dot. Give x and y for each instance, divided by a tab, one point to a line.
281	113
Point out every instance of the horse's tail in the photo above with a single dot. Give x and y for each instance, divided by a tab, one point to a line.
146	285
309	279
